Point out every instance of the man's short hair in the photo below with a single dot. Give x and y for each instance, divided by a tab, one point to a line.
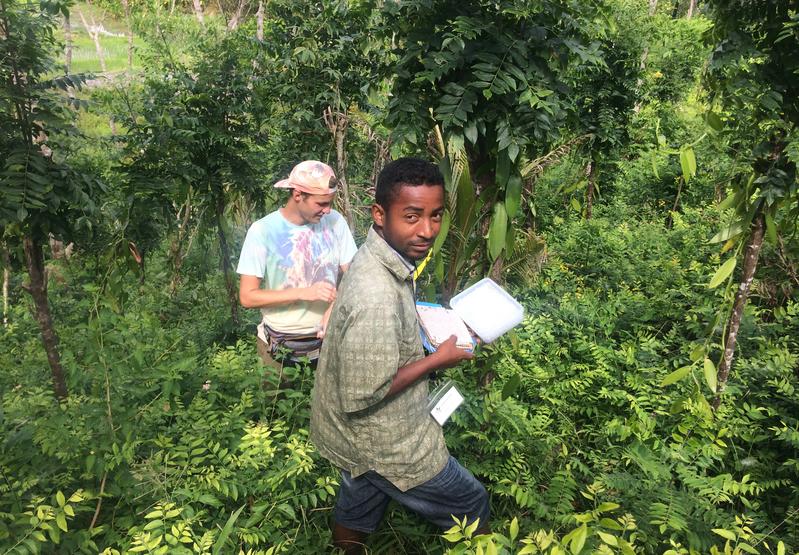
402	172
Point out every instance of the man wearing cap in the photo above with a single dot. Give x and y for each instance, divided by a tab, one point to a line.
298	252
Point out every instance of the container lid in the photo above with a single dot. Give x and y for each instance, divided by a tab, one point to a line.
487	309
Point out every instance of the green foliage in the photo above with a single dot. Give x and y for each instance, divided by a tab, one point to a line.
590	423
167	432
41	192
495	78
585	420
752	76
315	56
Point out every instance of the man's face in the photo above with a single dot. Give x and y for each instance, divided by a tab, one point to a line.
312	207
412	220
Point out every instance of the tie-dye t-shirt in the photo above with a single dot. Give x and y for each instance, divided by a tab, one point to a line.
287	255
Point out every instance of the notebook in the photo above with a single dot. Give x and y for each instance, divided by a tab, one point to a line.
484	310
439	323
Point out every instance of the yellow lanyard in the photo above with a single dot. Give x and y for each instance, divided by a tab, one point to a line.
420	268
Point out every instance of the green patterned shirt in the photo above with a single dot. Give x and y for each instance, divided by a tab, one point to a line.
372	332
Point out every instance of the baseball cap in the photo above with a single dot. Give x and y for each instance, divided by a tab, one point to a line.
310	176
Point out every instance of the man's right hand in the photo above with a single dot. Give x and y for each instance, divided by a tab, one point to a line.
449	355
446	356
320	291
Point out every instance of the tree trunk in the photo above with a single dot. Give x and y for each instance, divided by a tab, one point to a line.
590	172
259	19
691	9
751	254
653	7
95	35
198	11
337	123
224	251
237	15
34	258
6	281
176	252
129	33
67	45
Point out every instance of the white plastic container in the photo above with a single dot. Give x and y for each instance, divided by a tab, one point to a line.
488	309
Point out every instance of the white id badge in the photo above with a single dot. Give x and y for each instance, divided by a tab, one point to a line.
443	401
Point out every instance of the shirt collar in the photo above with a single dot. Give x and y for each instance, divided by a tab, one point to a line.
390	258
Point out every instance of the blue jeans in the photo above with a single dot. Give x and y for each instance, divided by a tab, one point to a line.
454	491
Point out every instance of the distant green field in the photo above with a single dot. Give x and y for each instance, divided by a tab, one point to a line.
84	54
115	51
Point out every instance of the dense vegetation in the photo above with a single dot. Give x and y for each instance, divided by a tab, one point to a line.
627	169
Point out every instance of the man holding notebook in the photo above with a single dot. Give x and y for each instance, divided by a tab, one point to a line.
369	412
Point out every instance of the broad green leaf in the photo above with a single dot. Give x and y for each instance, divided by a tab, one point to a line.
676	376
780	548
710	374
470	132
497	230
446	219
219	544
513	194
59	497
727	534
609	539
514	528
771	230
729	244
503	169
578	541
731	200
687	163
714	121
722	273
626	548
607	506
727	233
576	205
61	521
698	353
209	499
610	523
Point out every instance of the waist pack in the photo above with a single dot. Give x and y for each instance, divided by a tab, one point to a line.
297	345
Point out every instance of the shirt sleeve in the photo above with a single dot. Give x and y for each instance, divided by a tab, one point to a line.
368	357
252	261
346	244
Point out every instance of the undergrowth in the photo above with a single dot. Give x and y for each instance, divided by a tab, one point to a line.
175	440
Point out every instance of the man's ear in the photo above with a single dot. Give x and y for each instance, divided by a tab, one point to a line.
296	195
378	214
